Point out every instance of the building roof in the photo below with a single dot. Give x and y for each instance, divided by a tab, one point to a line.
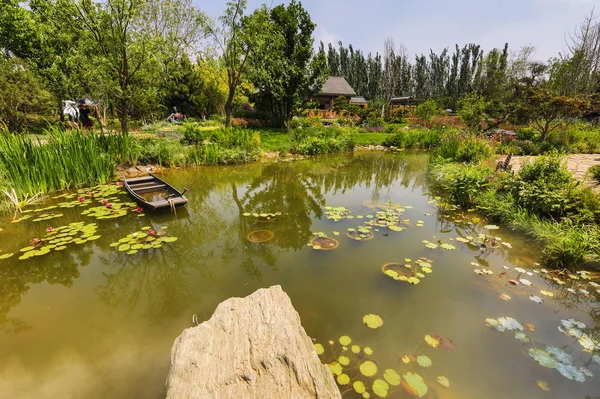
358	100
402	98
337	86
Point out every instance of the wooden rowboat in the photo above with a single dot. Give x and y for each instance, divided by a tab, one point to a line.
153	193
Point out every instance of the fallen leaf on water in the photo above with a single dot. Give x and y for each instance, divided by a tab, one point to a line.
405	359
413	384
505	297
543	385
546	293
443	381
448	344
513	282
432	340
536	299
529	326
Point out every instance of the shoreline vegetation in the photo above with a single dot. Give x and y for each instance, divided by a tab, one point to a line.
542	200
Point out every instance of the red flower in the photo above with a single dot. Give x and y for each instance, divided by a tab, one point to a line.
151	232
120	183
105	202
49	229
81	199
139	210
109	206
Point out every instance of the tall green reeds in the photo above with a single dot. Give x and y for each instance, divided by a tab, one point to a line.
61	160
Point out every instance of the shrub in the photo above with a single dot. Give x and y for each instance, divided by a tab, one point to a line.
462	183
463	148
304	123
427	110
423	138
595	172
471	109
323	145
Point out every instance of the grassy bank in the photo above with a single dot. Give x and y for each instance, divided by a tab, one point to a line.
543	200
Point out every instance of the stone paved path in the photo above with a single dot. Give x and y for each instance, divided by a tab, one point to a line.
578	164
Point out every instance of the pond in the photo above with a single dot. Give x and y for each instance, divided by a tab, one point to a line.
93	308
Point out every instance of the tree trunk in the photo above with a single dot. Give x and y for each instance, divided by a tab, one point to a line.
229	107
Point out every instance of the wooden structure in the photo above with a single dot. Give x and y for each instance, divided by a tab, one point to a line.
360	101
154	194
334	87
405	101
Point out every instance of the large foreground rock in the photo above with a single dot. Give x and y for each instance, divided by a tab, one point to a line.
253	347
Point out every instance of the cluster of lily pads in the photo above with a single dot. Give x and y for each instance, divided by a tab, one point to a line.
355	370
409	272
338	213
57	239
263	216
553	357
145	239
321	241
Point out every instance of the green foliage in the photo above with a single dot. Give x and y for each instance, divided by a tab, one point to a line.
21	94
463	148
594	171
471	109
461	182
421	138
427	110
64	160
298	123
323	145
546	189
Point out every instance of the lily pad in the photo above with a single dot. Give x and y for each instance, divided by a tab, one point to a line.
368	368
543	358
560	355
424	361
359	387
443	381
392	377
355	349
368	350
335	368
543	385
536	299
571	372
6	255
319	348
413	384
345	340
521	337
432	340
373	321
380	388
343	379
344	361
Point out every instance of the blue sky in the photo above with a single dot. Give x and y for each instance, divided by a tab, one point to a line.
424	24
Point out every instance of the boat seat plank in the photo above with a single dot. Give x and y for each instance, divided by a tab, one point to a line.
139	179
150	189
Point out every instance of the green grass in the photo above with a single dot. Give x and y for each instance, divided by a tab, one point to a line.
369	138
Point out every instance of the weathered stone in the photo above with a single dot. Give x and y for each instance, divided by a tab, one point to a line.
252	347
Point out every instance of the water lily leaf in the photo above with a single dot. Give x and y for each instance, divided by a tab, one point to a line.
491	227
405	359
366	395
344	361
536	299
443	381
392	377
521	337
560	355
413	384
124	247
368	350
543	358
169	239
132	252
585	371
345	340
424	361
146	228
571	323
525	281
432	340
380	388
373	321
368	368
335	368
448	344
448	247
359	386
543	385
6	255
510	324
571	372
319	348
343	379
355	349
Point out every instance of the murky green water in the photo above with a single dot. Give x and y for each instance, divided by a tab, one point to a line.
93	322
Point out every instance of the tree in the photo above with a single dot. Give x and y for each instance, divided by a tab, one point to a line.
288	70
547	111
427	110
471	110
21	93
239	38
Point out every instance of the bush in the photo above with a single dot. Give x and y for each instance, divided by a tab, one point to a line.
463	148
595	172
323	145
304	123
471	109
427	110
462	183
423	138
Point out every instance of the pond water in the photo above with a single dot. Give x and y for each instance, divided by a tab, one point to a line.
93	320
